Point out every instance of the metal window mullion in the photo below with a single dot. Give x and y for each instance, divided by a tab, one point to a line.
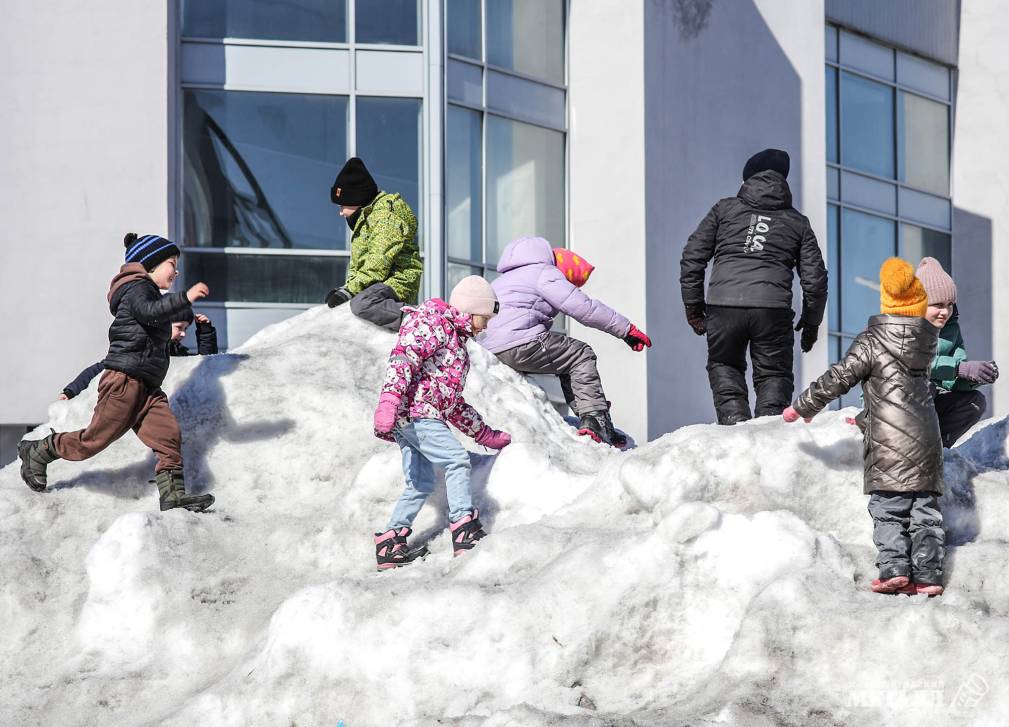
483	133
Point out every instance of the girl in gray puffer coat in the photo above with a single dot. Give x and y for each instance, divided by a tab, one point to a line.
902	446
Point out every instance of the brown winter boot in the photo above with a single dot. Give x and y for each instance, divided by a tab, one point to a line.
172	489
35	457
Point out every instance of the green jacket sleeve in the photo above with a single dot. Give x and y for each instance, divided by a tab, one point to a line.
386	237
944	367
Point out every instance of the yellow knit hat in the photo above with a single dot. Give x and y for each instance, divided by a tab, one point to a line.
900	292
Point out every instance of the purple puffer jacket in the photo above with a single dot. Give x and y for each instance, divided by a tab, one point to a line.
532	291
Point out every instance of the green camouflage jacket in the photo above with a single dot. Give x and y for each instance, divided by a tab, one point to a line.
384	248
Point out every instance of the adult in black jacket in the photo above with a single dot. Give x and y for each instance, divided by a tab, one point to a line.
756	239
206	344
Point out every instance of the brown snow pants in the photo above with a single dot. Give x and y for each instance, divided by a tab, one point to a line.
126	403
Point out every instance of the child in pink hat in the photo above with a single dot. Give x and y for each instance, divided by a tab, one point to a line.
422	395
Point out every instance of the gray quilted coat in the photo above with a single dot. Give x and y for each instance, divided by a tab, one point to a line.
902	449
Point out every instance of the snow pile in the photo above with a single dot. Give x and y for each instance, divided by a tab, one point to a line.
715	576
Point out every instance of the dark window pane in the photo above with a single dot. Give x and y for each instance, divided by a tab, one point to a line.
831	94
306	20
866	241
393	22
527	36
924	143
388	140
258	168
833	269
918	242
867	124
463	20
265	278
525	184
463	199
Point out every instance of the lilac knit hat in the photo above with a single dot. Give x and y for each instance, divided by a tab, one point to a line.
939	286
475	296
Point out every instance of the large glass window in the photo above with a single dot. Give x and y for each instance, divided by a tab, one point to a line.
265	278
394	22
504	131
522	36
305	20
867	127
525	184
888	167
254	167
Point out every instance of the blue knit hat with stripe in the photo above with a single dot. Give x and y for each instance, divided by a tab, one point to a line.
149	250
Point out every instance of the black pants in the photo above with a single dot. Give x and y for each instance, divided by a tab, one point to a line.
378	304
768	334
958	411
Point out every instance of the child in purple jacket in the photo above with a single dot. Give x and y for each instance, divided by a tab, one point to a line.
536	283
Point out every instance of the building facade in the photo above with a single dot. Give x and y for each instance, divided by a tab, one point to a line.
607	126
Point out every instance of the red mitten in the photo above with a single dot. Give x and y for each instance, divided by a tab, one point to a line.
791	415
637	339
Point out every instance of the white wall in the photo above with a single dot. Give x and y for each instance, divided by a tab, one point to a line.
606	197
981	186
84	154
723	80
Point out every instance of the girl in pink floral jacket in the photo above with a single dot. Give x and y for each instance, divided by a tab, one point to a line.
422	395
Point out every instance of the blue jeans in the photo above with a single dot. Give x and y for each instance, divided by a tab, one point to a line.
426	444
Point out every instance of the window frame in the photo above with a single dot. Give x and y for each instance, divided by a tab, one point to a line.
350	48
483	265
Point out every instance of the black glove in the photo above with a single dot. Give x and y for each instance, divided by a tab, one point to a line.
695	317
337	296
809	335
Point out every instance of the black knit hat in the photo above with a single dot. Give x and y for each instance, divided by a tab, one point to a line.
149	250
354	185
770	159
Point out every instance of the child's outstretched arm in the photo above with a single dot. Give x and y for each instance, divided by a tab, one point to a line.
151	308
563	295
842	377
468	421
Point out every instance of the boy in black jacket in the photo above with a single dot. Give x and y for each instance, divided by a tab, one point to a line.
756	240
206	345
129	393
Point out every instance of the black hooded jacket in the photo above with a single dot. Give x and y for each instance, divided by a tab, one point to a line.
756	240
142	330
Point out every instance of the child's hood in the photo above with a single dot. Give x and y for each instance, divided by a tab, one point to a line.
129	273
526	251
462	322
910	340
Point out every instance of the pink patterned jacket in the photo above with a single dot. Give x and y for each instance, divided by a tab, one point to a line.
428	367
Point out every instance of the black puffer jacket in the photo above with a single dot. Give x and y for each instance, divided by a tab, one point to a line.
901	443
756	239
142	329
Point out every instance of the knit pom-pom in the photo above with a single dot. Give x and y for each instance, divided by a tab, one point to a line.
130	238
896	276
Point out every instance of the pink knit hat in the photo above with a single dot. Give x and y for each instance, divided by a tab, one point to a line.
939	286
475	296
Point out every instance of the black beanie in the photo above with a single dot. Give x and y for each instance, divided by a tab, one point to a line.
354	185
774	160
149	250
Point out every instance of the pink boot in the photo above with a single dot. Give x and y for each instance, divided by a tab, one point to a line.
391	550
928	589
890	585
465	532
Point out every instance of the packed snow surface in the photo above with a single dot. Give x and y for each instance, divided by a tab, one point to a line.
716	576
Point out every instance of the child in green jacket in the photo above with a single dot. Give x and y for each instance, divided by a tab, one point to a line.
385	264
955	378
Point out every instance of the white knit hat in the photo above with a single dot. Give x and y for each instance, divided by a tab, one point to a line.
475	296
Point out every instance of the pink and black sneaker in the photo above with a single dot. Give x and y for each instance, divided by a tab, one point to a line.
465	532
392	551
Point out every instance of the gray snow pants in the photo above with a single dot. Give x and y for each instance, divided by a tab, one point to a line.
571	360
378	304
907	530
